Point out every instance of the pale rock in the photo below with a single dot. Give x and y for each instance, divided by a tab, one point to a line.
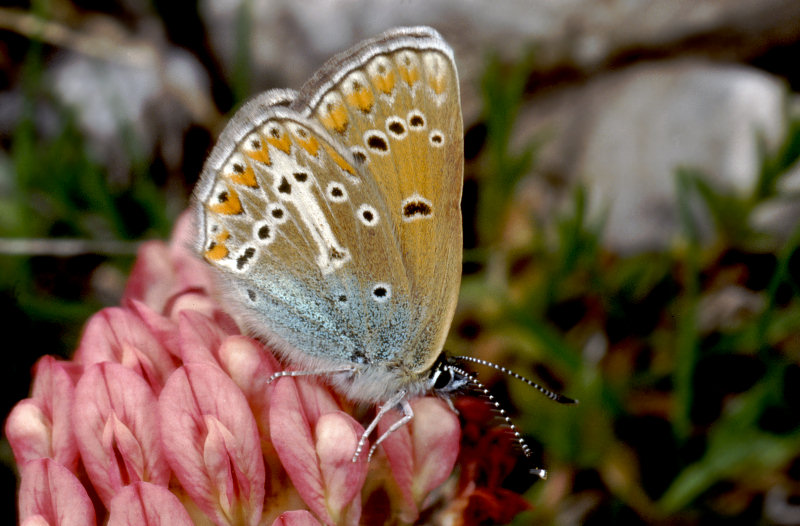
288	40
625	135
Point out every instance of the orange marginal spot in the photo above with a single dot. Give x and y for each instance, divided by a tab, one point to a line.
281	141
228	204
218	250
261	155
309	143
409	73
334	117
339	160
385	83
438	83
362	98
247	178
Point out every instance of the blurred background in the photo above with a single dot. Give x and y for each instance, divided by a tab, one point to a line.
631	207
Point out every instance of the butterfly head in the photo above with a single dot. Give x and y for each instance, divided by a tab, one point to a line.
445	378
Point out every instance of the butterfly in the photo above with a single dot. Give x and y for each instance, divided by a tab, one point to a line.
332	215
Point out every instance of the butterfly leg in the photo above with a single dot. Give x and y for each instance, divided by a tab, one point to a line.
450	404
390	404
408	414
281	374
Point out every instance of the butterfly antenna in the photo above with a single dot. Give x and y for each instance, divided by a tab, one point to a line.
561	399
526	450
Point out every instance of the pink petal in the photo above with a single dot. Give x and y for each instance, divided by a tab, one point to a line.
212	443
316	398
161	272
29	431
249	364
191	271
164	329
290	432
296	518
41	426
117	429
435	433
117	335
36	520
337	436
152	276
400	452
196	300
144	503
422	454
296	406
199	338
50	490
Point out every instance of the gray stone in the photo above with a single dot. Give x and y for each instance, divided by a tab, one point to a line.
289	40
625	135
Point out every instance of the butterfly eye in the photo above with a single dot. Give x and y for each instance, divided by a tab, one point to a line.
442	378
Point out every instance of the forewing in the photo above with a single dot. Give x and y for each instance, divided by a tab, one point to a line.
394	102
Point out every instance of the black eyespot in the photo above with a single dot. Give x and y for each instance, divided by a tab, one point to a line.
277	213
396	128
285	187
360	157
416	208
336	192
436	138
368	215
342	298
442	379
376	142
255	144
275	133
381	292
251	295
241	261
263	232
417	121
222	197
300	177
238	168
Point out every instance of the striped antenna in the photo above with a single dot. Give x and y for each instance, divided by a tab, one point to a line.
561	399
474	382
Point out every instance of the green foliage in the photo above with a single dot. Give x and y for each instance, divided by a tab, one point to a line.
55	190
502	89
631	337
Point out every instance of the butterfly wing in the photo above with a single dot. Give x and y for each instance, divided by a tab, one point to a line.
394	101
334	213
